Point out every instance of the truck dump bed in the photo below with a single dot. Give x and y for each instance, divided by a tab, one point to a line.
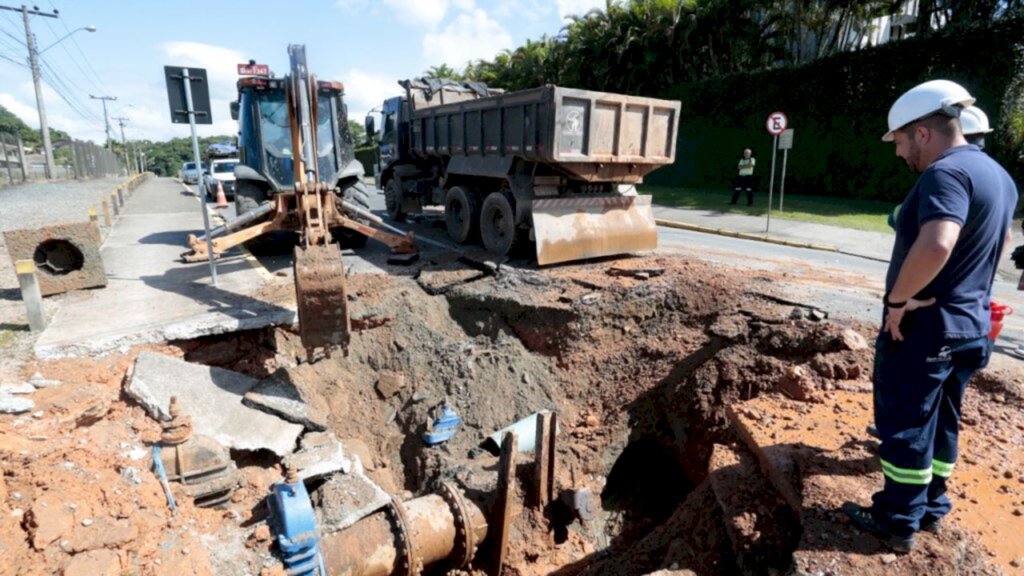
594	136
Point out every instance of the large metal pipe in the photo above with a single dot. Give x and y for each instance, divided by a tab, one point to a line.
426	528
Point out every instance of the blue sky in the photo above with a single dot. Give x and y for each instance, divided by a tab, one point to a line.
366	44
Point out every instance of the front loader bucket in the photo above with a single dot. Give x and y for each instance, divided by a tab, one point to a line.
321	297
578	228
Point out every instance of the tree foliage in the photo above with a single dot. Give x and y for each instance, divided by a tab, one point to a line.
644	46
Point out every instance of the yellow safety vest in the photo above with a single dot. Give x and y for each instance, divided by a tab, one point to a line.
746	166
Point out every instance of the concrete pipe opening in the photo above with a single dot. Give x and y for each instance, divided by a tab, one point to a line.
58	257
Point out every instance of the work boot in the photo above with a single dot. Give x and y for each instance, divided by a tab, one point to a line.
863	518
931	524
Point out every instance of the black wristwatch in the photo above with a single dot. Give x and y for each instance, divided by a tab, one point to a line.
891	304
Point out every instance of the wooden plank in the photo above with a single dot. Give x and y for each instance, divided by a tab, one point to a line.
504	502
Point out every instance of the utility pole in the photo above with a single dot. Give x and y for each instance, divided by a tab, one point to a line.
33	60
106	120
121	121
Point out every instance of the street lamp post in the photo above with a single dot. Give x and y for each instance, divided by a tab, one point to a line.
33	60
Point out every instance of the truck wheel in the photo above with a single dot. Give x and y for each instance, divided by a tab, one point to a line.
462	214
247	197
498	224
358	195
393	200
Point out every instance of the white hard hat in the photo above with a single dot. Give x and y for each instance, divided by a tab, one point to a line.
974	121
924	100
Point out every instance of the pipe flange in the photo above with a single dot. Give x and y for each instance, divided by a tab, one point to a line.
409	564
465	532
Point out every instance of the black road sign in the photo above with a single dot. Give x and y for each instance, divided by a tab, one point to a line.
176	94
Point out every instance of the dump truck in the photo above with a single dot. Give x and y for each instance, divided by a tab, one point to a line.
550	165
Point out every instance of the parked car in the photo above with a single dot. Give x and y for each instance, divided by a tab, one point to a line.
223	171
188	173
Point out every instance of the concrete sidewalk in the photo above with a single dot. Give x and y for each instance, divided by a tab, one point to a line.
152	296
873	245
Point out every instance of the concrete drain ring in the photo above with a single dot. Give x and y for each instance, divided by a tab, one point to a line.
58	257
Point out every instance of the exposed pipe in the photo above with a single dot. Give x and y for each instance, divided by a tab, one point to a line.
407	537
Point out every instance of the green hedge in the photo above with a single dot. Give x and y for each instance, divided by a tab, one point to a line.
838	106
367	157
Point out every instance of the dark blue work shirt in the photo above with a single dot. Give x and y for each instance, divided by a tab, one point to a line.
966	186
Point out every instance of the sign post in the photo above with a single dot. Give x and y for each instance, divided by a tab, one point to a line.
185	109
776	124
785	143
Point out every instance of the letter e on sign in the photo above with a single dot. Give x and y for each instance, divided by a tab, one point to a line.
776	123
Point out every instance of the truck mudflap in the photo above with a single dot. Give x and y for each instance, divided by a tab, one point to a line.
578	228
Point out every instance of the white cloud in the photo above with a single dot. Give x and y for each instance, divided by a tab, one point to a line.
568	8
426	13
532	10
465	5
471	36
366	90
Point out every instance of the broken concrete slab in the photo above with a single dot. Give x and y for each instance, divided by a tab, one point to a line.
213	398
67	256
345	499
275	395
17	388
15	405
39	382
320	454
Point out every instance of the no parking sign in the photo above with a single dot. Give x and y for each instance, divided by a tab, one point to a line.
776	123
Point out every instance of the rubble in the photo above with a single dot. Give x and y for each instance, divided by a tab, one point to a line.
275	395
319	455
15	405
18	388
345	499
213	398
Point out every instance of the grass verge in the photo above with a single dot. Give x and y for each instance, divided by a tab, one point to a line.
857	214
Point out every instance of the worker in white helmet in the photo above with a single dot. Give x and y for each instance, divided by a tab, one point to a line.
975	125
936	319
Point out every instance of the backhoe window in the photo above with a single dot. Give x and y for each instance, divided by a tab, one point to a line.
277	137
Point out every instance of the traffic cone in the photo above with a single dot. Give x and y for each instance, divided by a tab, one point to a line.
222	199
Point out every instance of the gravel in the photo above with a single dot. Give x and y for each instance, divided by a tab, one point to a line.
38	204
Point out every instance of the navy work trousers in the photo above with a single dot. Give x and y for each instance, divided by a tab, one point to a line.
919	385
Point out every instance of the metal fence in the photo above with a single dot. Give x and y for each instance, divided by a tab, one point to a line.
87	160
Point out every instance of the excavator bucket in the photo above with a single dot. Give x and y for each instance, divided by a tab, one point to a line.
579	228
321	297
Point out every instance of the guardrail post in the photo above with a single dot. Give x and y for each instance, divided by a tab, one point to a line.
113	202
95	221
30	294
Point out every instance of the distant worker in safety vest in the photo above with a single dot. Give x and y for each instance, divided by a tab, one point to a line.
745	178
936	317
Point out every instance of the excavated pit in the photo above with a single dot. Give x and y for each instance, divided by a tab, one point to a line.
703	427
641	372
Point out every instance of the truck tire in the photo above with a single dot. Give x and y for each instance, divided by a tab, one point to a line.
357	194
462	214
393	200
247	197
498	223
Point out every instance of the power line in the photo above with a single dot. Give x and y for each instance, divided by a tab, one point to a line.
64	47
88	63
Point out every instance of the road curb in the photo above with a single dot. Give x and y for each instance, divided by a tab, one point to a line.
760	238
